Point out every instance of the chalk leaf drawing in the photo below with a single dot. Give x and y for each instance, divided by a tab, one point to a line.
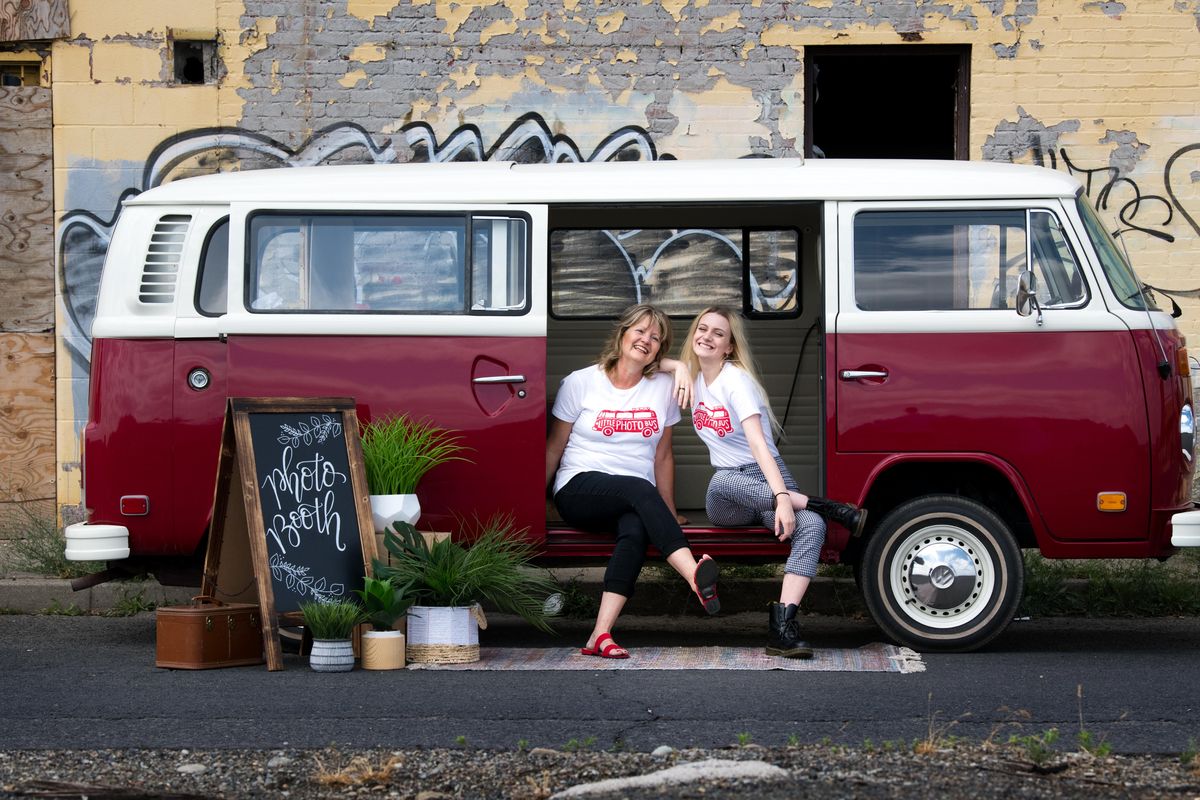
296	579
317	429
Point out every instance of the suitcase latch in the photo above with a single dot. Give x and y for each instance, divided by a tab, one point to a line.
208	623
230	622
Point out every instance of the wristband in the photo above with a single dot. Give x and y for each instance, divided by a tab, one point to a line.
785	494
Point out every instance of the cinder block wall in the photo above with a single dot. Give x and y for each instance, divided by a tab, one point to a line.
1107	90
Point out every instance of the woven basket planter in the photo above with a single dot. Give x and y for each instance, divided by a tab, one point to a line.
443	634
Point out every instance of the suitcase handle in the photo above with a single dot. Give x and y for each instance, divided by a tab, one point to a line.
206	599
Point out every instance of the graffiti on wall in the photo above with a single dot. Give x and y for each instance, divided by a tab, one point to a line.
1110	187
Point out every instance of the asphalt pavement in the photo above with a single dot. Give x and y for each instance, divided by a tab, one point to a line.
90	682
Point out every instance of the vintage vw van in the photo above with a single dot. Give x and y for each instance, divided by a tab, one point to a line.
959	347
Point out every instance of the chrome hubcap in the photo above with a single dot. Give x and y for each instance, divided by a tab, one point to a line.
942	575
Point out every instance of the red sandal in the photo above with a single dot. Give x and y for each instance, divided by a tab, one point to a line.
706	584
603	650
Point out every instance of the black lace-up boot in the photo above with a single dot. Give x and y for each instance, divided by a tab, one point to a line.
853	518
783	633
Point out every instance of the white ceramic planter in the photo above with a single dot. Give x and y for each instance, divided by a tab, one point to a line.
383	650
388	509
331	655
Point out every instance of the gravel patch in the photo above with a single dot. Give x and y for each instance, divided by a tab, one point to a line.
954	771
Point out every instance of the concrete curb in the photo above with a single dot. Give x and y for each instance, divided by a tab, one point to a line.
655	596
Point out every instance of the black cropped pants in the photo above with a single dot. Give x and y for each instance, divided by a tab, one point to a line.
632	507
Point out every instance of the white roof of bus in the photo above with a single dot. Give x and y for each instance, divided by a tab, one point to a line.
630	181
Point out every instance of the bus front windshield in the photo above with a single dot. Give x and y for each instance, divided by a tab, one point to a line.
1125	284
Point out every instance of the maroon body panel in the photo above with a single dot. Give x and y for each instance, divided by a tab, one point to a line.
1062	416
128	440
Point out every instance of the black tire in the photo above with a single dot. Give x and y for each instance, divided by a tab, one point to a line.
942	573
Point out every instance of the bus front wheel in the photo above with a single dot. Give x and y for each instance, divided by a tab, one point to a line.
942	573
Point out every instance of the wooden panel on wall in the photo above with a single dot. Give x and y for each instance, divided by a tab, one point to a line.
23	20
26	210
26	417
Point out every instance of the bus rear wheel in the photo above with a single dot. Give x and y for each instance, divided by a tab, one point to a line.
942	573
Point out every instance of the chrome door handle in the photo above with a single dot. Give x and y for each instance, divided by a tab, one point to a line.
500	379
856	374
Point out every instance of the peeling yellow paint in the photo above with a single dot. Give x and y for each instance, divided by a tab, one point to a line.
625	56
675	8
610	23
713	71
368	10
276	86
573	70
237	47
721	24
366	53
537	61
701	3
782	35
465	77
570	5
746	48
455	12
822	4
351	79
498	28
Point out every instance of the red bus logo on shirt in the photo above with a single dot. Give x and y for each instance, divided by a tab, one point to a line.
715	418
637	420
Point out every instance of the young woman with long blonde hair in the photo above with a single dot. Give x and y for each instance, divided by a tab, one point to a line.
752	485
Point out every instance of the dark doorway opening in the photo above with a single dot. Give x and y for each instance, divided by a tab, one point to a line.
887	102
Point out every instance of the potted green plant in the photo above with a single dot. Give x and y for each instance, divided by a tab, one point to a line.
383	605
332	626
446	581
397	452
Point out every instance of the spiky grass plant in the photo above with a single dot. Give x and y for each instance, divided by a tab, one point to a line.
495	568
336	620
398	451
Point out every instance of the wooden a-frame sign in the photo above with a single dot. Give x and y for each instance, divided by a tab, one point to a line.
301	530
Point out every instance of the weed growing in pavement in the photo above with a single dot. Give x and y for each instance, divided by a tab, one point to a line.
744	739
57	609
868	746
522	745
793	740
1188	756
460	740
5	611
129	604
35	542
1088	743
936	736
1038	747
358	772
579	745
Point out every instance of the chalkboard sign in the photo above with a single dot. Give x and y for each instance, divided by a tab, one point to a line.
307	510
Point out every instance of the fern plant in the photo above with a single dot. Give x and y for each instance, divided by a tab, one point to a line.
494	569
398	451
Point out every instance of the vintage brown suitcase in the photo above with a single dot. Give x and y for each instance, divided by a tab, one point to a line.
208	634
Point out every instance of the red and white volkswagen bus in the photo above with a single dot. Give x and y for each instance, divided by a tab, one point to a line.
959	347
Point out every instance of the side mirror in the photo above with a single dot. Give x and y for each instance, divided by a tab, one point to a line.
1027	301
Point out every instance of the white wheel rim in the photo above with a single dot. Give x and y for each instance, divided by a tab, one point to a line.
942	576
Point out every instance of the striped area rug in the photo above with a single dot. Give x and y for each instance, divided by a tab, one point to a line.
875	657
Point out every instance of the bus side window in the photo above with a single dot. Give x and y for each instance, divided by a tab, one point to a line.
1060	281
212	283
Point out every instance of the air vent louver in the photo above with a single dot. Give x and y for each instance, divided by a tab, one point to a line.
161	270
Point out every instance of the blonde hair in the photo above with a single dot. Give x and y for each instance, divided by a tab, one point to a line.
739	355
631	316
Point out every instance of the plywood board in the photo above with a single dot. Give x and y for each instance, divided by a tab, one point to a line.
26	20
26	210
26	417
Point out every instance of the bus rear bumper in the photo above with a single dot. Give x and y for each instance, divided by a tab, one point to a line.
96	542
1185	529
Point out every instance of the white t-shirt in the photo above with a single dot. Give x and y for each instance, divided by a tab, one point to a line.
718	412
613	430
